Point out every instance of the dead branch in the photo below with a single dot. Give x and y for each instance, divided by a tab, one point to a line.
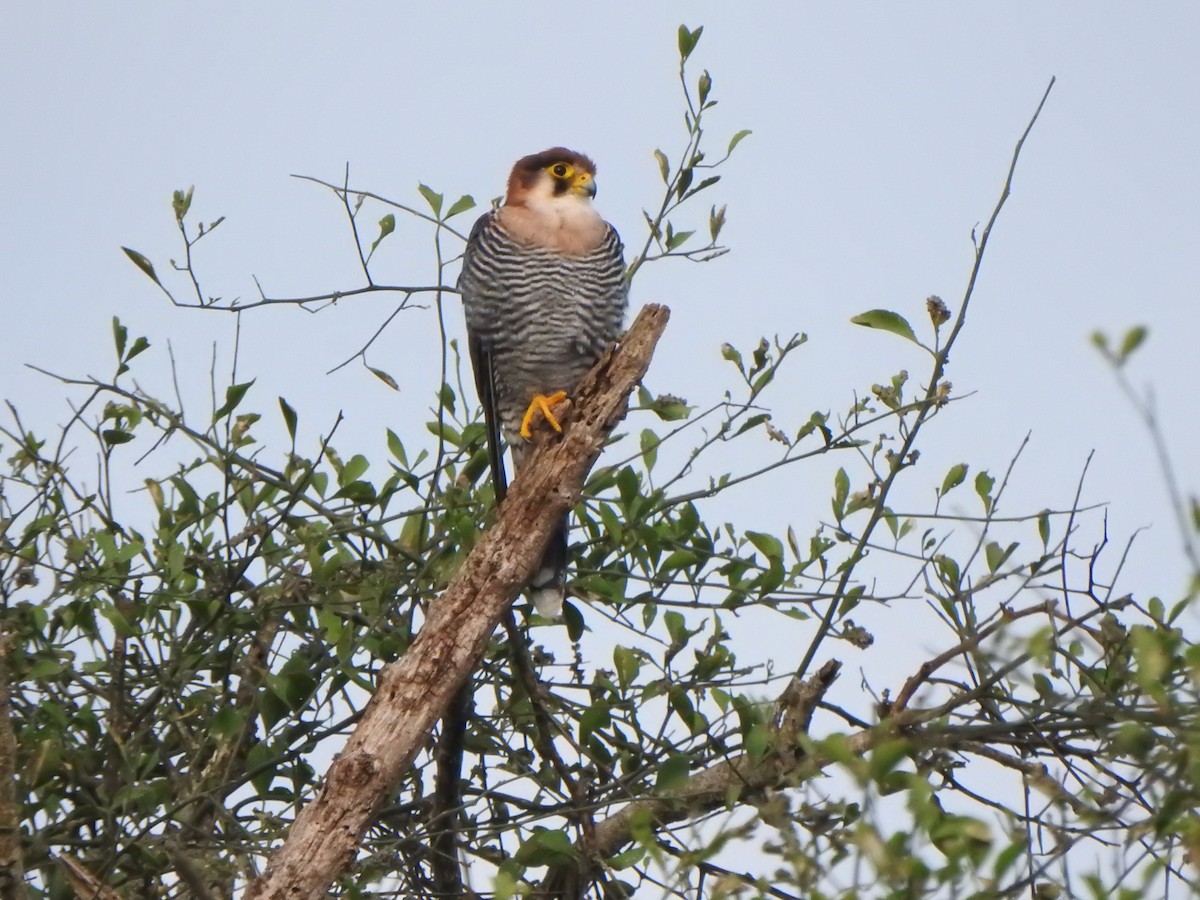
83	882
414	691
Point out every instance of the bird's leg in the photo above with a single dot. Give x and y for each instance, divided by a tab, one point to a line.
542	404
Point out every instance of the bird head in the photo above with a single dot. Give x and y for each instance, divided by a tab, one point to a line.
553	177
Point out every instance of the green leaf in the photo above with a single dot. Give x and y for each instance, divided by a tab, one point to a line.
623	860
1007	857
816	421
386	226
461	205
949	571
679	559
126	552
649	443
664	166
353	470
892	521
704	87
793	543
545	848
769	545
687	41
1156	609
140	345
444	431
181	202
154	489
227	721
886	320
837	749
672	773
432	197
120	336
385	378
1043	520
841	490
289	417
595	717
956	476
676	627
678	239
644	397
396	447
262	758
729	352
358	492
738	138
983	487
573	619
233	396
114	436
996	555
716	221
628	663
961	836
142	263
706	183
886	756
1152	656
45	668
1133	339
670	408
681	186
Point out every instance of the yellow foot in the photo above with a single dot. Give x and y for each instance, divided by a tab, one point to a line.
542	404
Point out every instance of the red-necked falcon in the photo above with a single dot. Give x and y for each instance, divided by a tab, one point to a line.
543	286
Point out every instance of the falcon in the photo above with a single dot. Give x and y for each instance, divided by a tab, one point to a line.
544	291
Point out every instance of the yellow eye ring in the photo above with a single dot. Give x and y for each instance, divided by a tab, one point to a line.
561	170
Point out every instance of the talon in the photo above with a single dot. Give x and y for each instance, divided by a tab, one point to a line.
542	404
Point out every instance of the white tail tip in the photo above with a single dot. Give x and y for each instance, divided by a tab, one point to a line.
548	601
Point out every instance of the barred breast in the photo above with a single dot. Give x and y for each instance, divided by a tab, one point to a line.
543	316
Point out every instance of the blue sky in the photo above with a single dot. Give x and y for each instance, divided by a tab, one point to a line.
881	137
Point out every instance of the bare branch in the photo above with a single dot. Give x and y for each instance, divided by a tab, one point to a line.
926	407
85	884
709	788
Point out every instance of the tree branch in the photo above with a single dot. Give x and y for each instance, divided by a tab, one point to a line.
709	788
414	691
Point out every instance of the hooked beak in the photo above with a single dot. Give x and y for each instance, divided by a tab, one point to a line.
585	184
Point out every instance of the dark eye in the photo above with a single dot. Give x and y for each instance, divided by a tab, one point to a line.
560	170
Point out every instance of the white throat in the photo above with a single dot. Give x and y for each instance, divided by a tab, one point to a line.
569	212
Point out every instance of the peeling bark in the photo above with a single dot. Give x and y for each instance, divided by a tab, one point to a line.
414	691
